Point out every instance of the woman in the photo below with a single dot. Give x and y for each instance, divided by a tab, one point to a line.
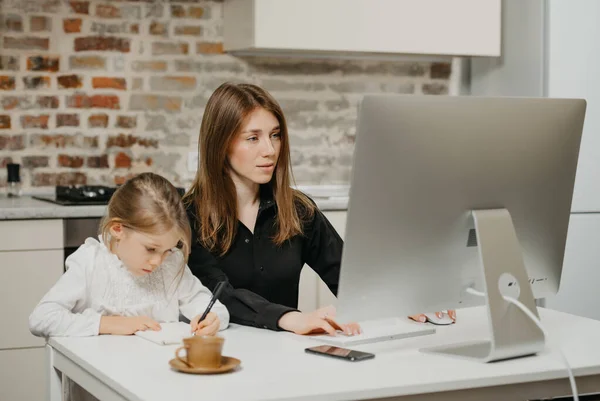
250	228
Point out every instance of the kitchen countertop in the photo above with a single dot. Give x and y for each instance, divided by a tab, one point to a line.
327	198
26	207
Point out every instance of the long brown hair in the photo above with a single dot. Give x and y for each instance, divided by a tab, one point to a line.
213	191
147	203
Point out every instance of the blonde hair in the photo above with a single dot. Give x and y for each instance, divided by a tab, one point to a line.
213	191
150	204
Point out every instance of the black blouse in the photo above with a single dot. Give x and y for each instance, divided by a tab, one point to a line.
263	278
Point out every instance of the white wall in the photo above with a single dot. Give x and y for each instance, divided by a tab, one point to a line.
550	48
520	69
573	71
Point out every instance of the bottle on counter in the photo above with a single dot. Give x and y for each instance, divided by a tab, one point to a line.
13	185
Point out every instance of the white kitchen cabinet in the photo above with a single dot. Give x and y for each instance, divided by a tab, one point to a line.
26	235
314	293
27	276
307	292
23	374
424	27
578	292
31	261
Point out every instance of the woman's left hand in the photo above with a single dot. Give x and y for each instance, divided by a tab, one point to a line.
328	313
422	318
317	322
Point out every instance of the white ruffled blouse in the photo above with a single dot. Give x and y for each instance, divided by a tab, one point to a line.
97	283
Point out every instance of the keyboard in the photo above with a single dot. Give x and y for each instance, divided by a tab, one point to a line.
376	331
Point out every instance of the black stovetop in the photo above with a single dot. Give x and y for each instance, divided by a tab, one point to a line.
80	195
86	195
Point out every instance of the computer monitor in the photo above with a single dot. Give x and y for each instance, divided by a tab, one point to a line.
449	193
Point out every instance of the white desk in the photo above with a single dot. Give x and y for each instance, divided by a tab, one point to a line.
275	366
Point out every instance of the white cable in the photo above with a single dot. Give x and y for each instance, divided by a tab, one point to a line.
534	318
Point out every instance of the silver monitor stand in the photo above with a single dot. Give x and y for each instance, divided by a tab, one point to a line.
512	332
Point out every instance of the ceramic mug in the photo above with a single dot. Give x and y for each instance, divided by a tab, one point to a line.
201	351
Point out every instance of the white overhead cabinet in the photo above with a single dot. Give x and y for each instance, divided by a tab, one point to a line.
413	27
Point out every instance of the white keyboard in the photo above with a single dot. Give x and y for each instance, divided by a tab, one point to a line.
378	330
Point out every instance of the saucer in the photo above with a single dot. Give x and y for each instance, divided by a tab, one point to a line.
227	363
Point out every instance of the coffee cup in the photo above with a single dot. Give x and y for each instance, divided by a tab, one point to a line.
201	352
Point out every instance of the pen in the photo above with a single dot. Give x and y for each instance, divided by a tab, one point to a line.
215	296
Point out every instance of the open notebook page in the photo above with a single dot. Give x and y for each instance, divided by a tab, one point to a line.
171	333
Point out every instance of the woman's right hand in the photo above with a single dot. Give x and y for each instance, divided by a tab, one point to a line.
422	318
319	321
127	325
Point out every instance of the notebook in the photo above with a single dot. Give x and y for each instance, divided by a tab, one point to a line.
171	333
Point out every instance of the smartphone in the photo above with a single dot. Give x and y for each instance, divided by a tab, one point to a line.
341	353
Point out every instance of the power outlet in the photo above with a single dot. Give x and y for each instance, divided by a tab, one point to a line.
192	162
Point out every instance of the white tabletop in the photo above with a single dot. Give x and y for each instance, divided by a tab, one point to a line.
275	366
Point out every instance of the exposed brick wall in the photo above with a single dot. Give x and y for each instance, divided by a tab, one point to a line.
93	91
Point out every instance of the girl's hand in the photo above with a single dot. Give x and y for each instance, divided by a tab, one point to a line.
127	325
207	327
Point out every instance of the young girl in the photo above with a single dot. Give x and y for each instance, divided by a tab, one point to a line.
135	277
